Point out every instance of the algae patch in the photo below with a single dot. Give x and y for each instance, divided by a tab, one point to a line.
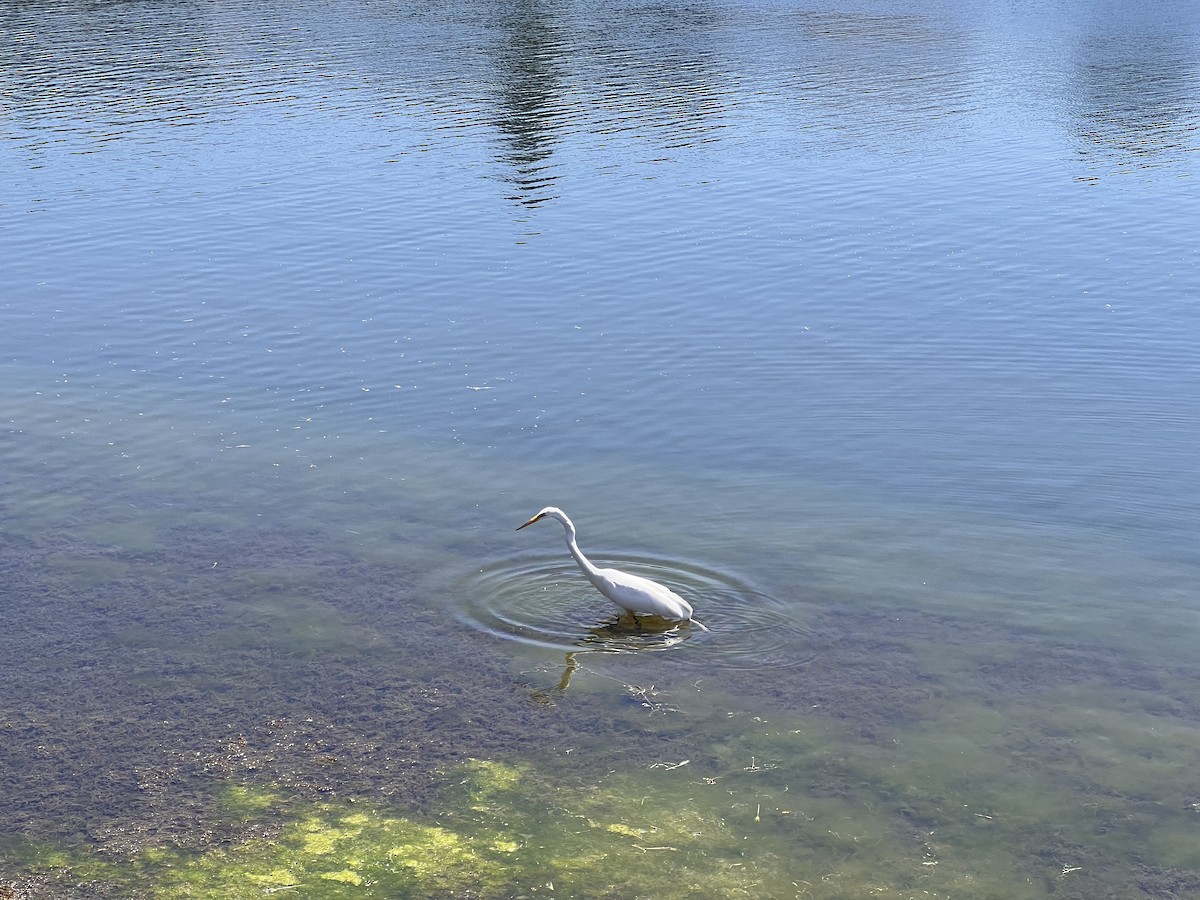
517	832
326	850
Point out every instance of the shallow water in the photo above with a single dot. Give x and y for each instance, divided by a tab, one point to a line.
869	328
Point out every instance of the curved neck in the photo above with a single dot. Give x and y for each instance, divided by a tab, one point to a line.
584	563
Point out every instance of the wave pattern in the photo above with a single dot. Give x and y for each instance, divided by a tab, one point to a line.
545	601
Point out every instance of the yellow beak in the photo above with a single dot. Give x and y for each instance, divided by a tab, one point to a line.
530	522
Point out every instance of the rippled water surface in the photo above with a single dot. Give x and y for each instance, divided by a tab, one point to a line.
868	327
546	601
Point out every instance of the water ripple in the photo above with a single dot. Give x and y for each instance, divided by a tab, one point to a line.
543	600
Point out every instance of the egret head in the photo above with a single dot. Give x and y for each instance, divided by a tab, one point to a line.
551	511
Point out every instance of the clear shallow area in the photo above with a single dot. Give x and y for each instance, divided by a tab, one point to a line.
870	327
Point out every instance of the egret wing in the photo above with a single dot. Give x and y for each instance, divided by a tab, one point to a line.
641	595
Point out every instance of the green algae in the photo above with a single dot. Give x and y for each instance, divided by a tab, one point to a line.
244	802
327	852
1012	801
520	833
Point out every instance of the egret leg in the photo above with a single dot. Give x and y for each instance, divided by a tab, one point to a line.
629	621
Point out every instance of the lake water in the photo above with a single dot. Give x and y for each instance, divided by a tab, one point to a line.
870	327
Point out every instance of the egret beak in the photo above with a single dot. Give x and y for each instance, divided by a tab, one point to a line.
530	522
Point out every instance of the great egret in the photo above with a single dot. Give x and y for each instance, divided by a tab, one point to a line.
632	593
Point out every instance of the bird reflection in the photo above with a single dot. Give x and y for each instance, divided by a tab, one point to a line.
620	634
628	633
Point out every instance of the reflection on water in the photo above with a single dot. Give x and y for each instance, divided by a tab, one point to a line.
529	97
646	696
1137	101
671	76
628	633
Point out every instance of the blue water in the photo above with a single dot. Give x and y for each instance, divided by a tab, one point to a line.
851	303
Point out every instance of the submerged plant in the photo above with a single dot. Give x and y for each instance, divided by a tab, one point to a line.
504	830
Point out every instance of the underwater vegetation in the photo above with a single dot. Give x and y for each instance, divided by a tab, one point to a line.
503	833
781	807
209	709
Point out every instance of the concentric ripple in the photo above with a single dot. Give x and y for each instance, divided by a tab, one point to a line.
544	600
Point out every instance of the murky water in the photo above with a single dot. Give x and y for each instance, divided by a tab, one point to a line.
869	328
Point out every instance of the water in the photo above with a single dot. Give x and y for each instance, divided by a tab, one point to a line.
544	601
868	327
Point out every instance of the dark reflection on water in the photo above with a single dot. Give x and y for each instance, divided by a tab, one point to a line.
118	71
529	93
527	74
1137	101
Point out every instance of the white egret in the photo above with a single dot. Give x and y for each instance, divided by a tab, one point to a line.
632	593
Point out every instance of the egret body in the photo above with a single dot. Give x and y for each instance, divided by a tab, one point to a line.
632	593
